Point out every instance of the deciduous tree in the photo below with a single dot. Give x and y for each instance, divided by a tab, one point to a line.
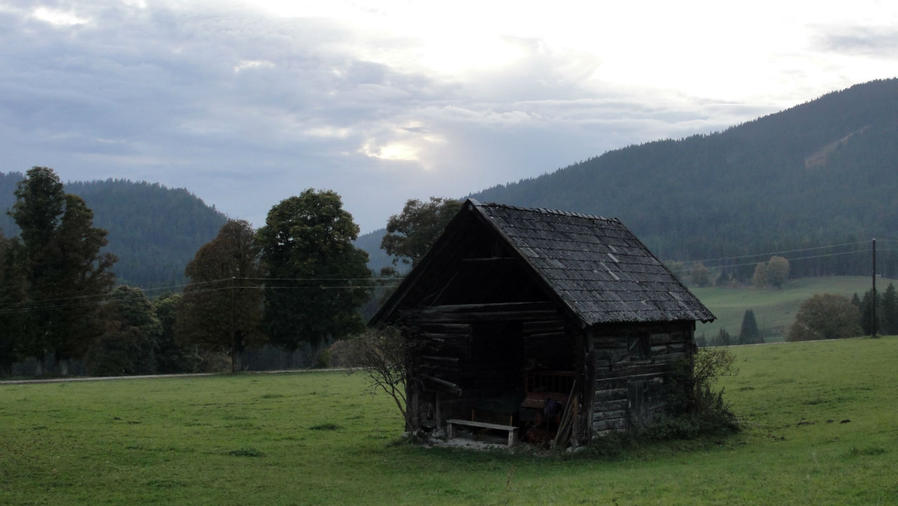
170	356
411	233
386	357
221	307
130	341
825	316
722	339
777	271
759	278
700	274
317	278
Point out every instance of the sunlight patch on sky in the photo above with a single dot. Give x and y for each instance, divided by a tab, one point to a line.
328	132
58	17
394	151
252	64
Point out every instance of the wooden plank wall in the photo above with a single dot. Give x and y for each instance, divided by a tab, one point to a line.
449	362
629	365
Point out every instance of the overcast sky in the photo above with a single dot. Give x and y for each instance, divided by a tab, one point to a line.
247	103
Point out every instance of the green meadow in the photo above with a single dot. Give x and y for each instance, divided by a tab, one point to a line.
820	427
774	308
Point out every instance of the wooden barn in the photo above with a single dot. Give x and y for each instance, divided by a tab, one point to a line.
540	324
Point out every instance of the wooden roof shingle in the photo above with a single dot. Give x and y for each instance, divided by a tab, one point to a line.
595	265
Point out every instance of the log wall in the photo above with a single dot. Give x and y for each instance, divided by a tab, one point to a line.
629	369
472	356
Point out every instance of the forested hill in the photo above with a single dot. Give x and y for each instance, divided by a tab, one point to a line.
821	173
153	230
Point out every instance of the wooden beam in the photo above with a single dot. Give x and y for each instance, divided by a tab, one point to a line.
440	359
491	306
448	384
489	259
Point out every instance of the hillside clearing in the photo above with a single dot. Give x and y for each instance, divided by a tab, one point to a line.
820	427
774	308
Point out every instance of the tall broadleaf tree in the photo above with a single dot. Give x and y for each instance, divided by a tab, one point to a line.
65	274
411	233
221	308
318	278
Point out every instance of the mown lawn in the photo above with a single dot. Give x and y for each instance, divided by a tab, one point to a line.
774	308
821	428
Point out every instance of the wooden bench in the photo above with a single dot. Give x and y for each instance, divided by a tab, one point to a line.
512	430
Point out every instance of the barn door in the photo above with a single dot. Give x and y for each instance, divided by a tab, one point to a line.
638	405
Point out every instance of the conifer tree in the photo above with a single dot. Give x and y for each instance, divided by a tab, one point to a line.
11	310
64	273
867	312
723	338
749	333
890	311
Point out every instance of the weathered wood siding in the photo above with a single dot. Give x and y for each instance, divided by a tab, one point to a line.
470	356
629	367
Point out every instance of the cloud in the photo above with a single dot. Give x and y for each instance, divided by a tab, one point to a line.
861	40
57	17
382	104
252	64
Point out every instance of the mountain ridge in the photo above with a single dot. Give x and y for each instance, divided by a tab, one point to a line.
814	174
154	230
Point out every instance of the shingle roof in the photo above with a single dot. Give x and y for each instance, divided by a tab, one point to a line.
595	265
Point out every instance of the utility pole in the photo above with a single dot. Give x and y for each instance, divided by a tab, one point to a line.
234	356
873	334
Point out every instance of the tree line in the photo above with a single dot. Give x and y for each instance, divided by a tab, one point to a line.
825	316
296	282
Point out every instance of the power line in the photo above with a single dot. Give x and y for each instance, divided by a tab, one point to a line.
65	302
795	250
826	255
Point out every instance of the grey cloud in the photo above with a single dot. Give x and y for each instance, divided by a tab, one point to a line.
860	40
153	94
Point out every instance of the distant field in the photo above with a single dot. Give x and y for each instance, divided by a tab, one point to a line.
774	308
820	418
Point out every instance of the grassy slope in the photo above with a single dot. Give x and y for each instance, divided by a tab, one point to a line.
774	308
171	441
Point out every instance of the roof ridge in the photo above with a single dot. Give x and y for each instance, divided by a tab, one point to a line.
545	210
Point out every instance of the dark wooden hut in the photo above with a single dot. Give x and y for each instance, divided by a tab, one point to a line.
540	318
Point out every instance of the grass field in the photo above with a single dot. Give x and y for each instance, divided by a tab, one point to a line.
774	308
821	427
